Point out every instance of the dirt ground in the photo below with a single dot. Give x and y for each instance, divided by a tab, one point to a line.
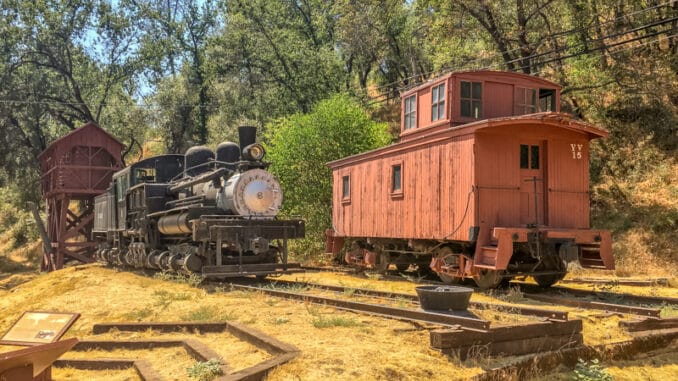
334	345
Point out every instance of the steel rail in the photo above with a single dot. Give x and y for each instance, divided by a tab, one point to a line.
641	311
440	318
605	295
550	314
621	282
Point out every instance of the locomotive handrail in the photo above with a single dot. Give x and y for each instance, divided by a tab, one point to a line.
197	180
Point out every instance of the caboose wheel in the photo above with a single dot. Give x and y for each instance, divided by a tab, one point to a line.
402	266
447	255
488	279
383	262
548	280
449	279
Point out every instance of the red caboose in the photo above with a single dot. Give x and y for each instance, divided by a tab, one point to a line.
489	181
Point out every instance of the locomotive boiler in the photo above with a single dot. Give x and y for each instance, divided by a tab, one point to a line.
489	181
210	213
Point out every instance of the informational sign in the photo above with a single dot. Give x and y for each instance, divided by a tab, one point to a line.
35	327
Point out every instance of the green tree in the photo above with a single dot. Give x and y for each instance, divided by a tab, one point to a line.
299	147
62	63
275	58
173	48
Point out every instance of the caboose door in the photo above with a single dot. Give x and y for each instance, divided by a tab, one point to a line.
532	182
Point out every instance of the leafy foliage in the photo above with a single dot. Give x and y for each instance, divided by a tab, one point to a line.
301	145
592	371
205	370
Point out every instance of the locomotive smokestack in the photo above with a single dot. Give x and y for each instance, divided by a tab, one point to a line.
247	135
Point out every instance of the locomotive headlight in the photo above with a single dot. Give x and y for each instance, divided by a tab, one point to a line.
253	152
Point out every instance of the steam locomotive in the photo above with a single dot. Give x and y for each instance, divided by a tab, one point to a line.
205	212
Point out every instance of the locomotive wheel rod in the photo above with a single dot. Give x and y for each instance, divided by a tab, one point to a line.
549	314
439	318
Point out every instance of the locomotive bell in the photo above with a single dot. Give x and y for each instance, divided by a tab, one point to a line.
252	193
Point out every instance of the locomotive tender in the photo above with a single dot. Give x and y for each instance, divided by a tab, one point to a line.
488	181
205	213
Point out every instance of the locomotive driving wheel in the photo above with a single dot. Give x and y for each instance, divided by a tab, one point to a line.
487	279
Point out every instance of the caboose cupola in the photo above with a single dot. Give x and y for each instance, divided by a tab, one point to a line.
466	97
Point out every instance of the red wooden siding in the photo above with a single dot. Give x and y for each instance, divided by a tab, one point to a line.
496	90
440	169
81	162
499	182
568	186
436	180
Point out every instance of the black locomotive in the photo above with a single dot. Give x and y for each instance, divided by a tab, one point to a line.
205	212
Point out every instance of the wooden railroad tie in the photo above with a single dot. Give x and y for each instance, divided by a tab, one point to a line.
281	352
509	340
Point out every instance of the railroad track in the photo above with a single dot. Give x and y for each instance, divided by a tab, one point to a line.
540	312
463	320
605	296
549	314
663	282
605	300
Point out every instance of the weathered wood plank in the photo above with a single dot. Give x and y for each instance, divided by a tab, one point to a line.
518	347
443	339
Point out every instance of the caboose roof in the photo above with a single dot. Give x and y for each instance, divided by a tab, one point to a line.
485	75
560	120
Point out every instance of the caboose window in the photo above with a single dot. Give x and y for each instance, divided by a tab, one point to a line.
396	178
529	157
526	101
438	102
411	112
345	187
471	99
547	100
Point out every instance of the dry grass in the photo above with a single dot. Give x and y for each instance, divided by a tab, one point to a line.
70	374
332	351
335	345
169	363
642	215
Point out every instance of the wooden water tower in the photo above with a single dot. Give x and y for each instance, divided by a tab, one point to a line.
74	169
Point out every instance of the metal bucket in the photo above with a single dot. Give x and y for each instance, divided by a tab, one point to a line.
444	298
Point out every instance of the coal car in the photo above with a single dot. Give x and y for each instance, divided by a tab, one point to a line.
209	213
488	181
